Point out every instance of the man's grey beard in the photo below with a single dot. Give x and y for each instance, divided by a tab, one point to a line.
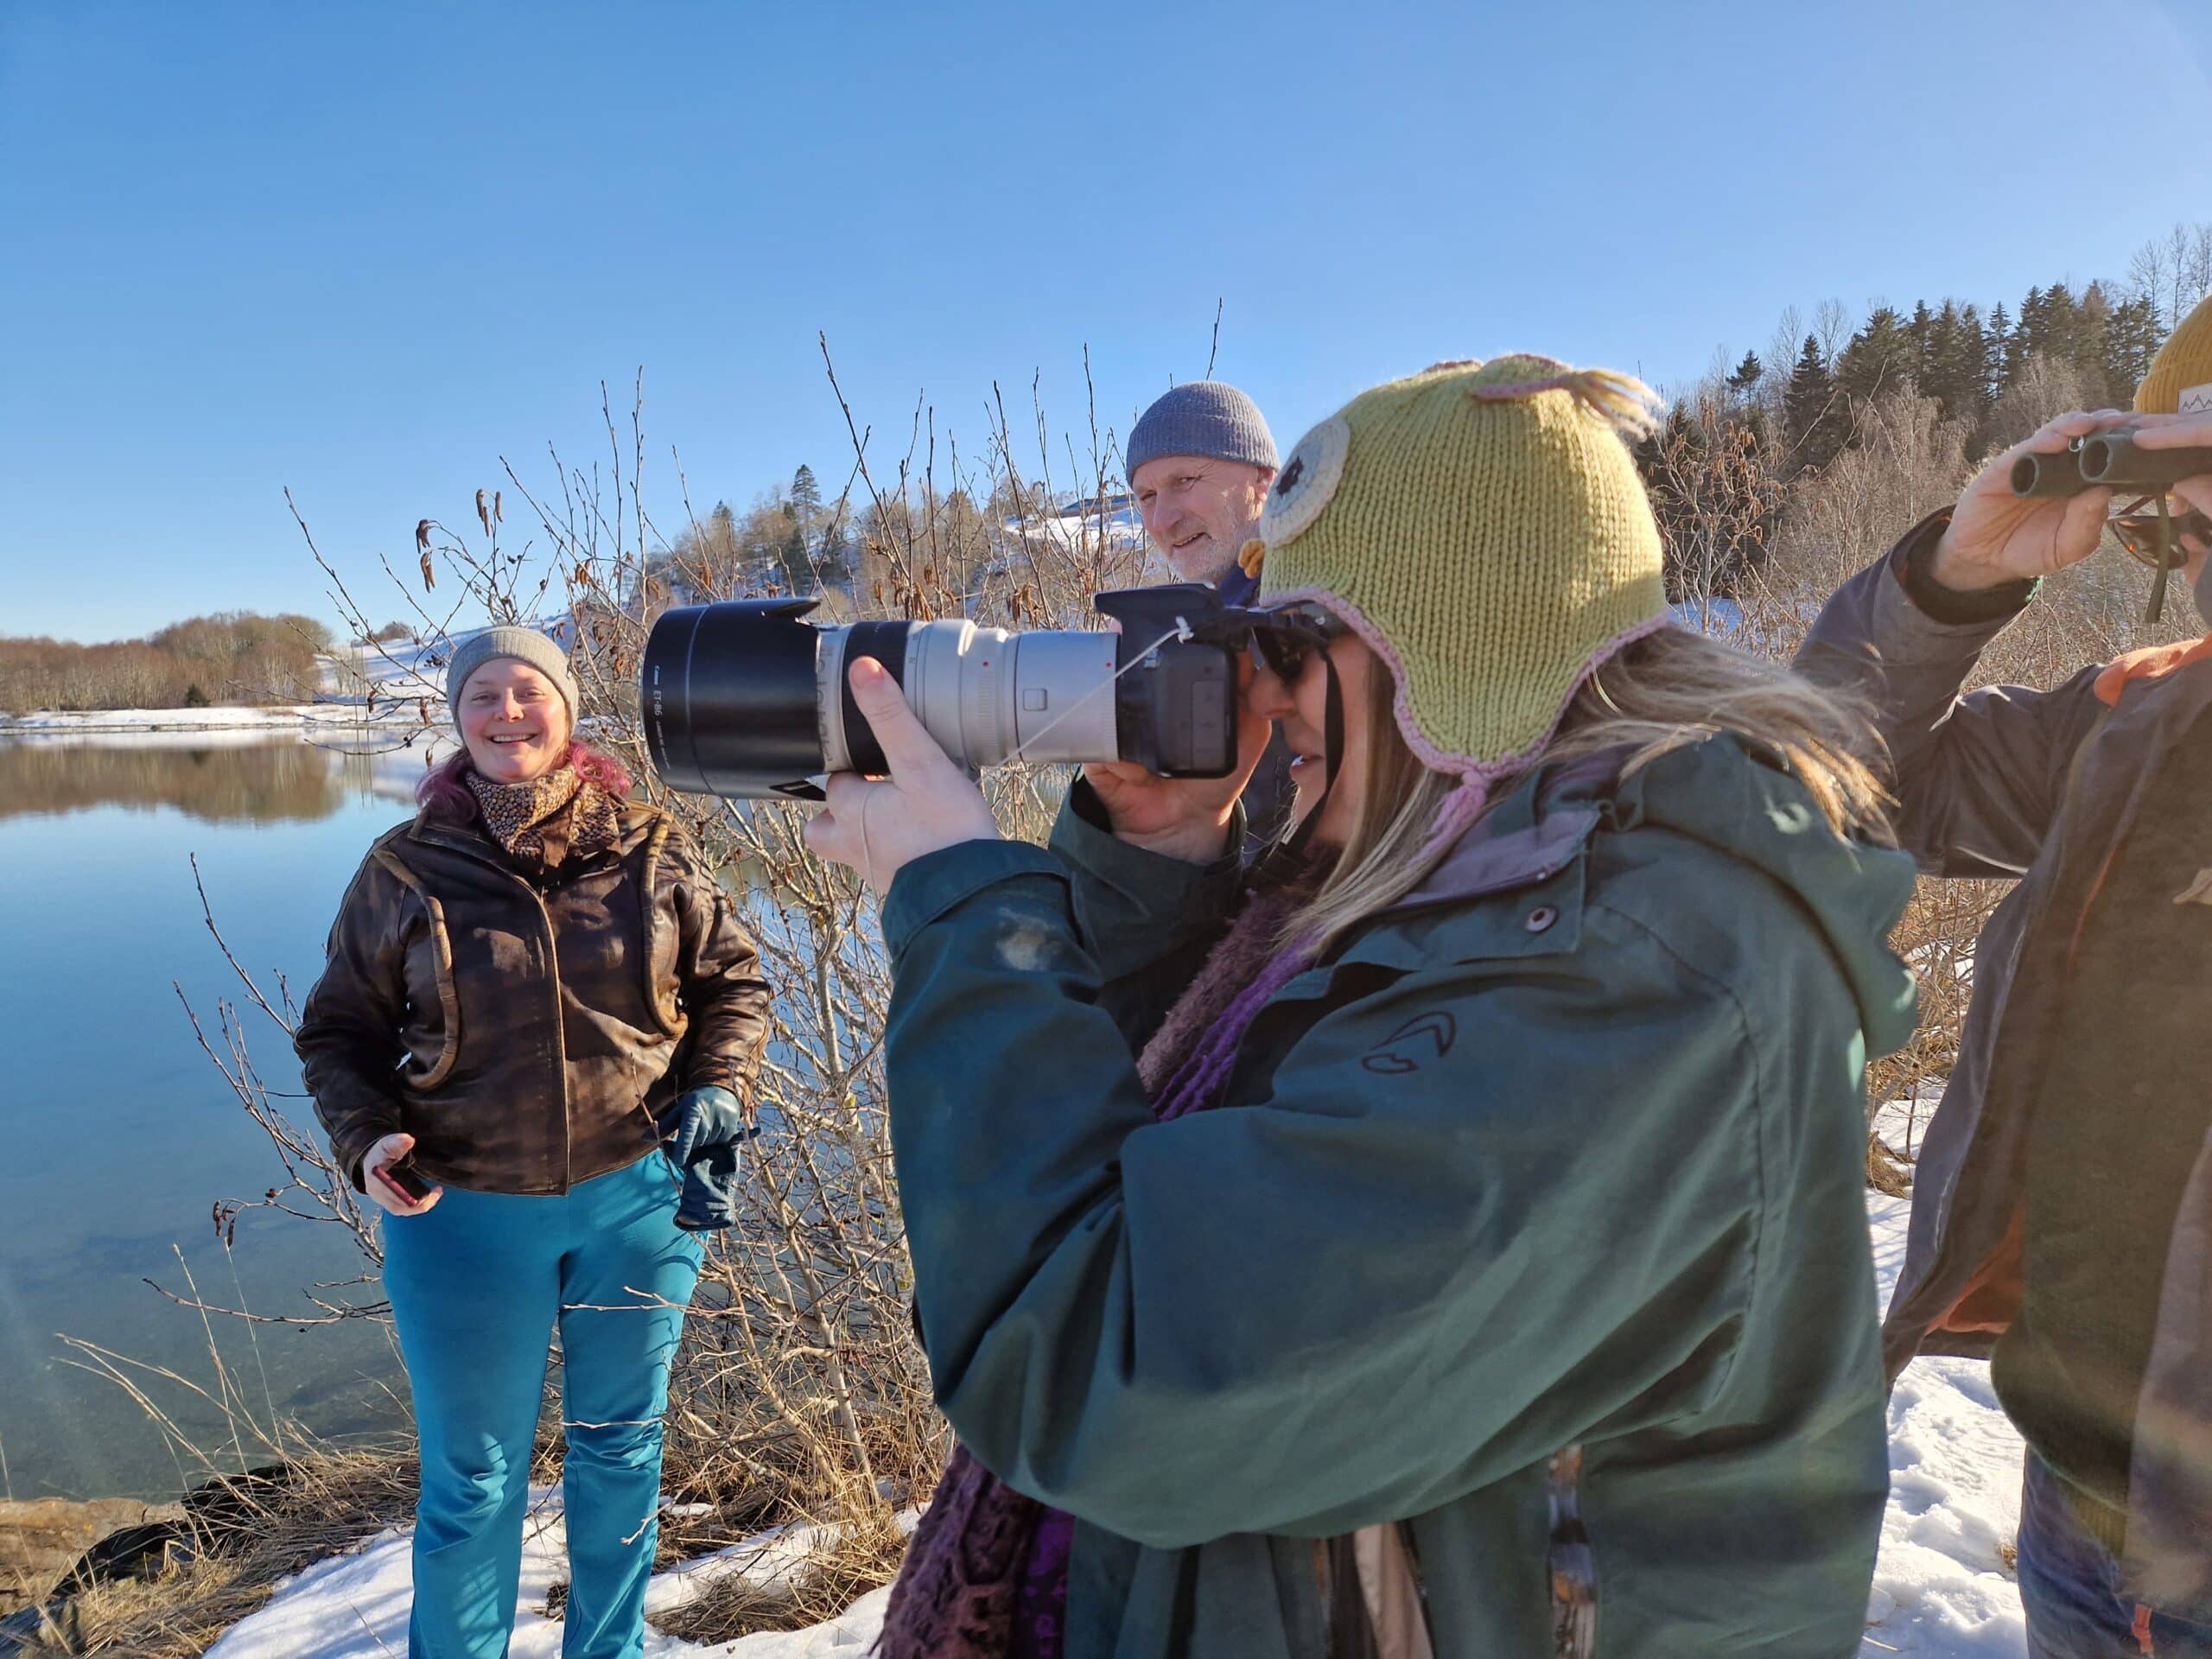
2201	590
1214	570
1223	558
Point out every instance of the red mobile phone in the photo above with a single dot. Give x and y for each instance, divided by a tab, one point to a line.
402	1179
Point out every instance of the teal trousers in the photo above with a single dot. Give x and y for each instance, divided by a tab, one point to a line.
476	1286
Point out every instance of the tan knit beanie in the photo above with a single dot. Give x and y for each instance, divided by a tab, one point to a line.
2179	381
1482	528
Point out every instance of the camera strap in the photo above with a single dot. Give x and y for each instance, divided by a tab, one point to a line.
1180	630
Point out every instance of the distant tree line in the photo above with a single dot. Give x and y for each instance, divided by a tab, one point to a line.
1737	445
233	657
790	541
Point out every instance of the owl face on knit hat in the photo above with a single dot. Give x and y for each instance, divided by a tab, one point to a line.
2179	381
1482	528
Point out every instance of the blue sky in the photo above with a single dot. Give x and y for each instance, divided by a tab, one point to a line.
366	250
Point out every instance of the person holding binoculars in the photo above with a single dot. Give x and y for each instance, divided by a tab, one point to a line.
1447	1239
533	989
2061	1221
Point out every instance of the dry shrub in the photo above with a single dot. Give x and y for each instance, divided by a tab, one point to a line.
849	1561
800	1396
242	1537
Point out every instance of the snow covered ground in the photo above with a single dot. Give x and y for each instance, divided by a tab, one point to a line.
354	1606
1941	1589
1941	1586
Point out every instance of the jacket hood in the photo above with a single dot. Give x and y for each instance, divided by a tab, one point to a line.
1741	801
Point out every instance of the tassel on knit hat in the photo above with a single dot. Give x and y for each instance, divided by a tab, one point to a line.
1482	529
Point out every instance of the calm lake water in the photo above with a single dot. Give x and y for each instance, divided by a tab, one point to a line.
120	1135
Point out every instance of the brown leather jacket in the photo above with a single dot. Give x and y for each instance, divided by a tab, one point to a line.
527	1032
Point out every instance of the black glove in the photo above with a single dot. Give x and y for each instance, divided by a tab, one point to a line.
704	1132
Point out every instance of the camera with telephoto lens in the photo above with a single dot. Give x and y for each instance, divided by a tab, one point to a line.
747	700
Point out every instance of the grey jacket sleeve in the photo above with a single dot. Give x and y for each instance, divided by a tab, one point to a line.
1979	776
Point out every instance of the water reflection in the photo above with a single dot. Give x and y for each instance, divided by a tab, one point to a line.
120	1135
251	779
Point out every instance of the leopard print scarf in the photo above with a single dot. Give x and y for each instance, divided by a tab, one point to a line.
546	819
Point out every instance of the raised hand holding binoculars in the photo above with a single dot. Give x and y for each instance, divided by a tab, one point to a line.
2045	503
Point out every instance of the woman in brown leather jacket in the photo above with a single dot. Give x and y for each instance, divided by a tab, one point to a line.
530	988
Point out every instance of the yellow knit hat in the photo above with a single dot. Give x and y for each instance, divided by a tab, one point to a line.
1482	528
2179	381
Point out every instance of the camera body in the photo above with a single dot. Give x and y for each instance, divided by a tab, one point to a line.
747	700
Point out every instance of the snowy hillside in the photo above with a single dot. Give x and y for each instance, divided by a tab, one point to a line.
401	671
1109	520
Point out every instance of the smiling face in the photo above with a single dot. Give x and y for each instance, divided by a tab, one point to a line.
514	721
1198	511
1302	712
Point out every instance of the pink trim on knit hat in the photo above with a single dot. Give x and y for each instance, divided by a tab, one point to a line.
1466	802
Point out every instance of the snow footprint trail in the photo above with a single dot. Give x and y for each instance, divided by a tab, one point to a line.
1940	1585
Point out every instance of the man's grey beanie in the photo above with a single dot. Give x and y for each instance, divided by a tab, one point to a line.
524	644
1207	418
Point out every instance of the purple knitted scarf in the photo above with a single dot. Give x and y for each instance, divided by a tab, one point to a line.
985	1575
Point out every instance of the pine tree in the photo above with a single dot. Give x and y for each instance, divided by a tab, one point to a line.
2027	337
1878	358
1973	360
1921	330
795	569
1996	355
2092	347
1749	372
2062	323
806	495
1951	370
2131	339
1812	422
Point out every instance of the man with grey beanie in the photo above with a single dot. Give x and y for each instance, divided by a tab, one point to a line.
1199	462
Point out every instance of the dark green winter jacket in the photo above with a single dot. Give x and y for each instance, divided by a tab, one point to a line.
1564	1151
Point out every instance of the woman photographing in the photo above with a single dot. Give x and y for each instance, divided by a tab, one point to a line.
1456	1245
531	989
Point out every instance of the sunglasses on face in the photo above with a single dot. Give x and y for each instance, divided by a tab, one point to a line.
2139	532
1285	641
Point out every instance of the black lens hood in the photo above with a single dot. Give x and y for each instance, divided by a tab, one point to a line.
727	696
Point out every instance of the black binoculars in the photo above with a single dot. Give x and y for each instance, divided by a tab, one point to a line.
2112	460
2107	460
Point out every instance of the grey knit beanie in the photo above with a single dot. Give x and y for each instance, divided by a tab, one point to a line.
1207	418
524	644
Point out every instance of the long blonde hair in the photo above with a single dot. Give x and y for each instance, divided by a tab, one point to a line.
1660	692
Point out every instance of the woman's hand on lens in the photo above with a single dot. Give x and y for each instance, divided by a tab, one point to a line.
1183	818
1996	537
876	827
384	1153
